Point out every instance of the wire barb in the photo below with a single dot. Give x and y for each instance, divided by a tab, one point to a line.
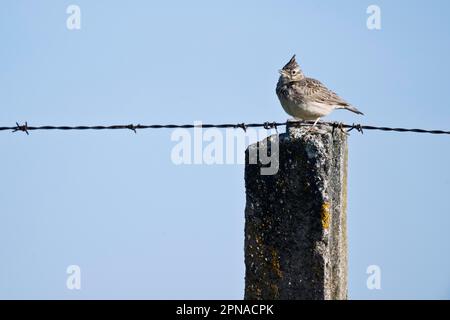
23	128
357	127
133	128
270	125
243	126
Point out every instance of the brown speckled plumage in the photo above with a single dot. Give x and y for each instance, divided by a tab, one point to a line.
306	98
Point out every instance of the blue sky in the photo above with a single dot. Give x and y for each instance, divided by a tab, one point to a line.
140	226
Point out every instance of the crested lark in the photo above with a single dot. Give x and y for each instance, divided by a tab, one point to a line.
306	98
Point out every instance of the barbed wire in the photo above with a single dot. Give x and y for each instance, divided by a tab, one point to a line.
267	125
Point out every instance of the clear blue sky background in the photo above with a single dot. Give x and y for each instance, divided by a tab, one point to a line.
141	227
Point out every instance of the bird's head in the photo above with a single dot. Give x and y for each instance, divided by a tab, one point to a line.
291	71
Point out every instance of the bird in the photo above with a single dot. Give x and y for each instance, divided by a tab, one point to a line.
307	98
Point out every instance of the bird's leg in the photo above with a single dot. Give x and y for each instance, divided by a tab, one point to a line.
315	122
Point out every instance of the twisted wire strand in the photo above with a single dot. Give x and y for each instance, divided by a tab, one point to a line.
267	125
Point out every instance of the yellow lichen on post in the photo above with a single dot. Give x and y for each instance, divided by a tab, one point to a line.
325	216
275	291
276	264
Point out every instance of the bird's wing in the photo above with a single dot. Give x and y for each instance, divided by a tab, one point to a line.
314	90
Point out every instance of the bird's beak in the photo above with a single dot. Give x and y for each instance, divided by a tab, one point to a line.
280	71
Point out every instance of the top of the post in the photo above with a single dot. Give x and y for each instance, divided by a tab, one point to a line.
296	129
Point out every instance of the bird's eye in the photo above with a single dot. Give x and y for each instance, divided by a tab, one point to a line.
294	72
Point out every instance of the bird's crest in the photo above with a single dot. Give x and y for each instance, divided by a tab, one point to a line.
292	64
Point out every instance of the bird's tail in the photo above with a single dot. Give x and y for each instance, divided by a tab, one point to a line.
352	109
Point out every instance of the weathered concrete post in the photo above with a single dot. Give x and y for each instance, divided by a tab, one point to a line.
295	220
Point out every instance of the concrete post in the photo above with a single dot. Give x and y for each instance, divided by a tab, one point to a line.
295	220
